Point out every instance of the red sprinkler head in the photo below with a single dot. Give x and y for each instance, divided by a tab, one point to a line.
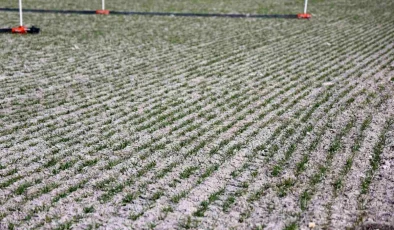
106	12
19	30
304	16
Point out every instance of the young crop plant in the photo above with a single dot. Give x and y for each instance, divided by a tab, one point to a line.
157	195
165	211
204	204
22	188
208	172
89	209
146	169
176	198
188	172
284	187
128	198
258	193
227	203
188	223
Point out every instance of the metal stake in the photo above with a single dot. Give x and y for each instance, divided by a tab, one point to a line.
306	5
20	13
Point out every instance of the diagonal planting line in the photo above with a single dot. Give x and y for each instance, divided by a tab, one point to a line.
375	162
338	182
335	146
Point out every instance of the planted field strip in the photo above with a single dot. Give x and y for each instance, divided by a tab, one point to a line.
242	186
349	153
190	123
334	147
96	60
352	183
262	191
377	204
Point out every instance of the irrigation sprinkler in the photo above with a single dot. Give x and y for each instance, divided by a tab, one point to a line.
103	10
305	15
21	29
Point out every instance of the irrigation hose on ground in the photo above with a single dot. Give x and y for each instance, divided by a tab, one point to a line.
290	16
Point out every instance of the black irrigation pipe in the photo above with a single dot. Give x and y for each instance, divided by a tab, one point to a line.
5	30
290	16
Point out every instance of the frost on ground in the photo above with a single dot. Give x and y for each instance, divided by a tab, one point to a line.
126	122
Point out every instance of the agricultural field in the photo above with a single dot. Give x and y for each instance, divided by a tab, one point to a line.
148	122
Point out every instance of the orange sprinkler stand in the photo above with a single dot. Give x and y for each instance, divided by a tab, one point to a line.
19	30
102	12
304	16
